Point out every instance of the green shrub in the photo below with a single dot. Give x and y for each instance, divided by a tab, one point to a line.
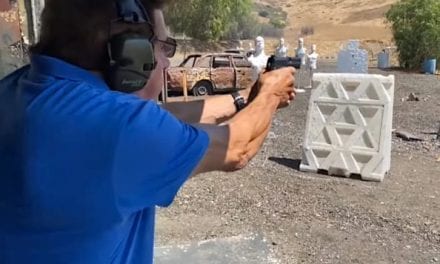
416	30
278	23
263	13
224	19
277	17
206	20
248	28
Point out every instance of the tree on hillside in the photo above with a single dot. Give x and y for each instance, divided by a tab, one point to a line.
207	19
416	30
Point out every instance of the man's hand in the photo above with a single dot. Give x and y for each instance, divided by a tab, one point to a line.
279	83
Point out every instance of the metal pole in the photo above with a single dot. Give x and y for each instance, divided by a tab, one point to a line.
37	8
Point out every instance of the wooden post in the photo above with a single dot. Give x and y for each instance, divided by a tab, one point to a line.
165	87
185	87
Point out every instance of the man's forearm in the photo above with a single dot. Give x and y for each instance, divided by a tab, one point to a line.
213	110
251	126
233	145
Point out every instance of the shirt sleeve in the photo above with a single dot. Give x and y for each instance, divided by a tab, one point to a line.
154	156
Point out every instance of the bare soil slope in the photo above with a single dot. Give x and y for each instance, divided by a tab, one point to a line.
336	21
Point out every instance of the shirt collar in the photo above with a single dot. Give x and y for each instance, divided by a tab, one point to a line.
51	66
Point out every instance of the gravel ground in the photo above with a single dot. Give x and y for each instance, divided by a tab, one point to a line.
311	218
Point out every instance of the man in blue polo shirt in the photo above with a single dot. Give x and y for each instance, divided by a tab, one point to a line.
82	167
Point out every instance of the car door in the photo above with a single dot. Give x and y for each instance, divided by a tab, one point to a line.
243	72
175	76
222	73
200	71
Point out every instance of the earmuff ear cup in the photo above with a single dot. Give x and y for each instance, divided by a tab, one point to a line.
131	62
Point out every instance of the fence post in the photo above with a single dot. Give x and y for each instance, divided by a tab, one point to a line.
165	87
185	86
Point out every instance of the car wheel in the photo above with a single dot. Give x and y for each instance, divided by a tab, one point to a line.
203	88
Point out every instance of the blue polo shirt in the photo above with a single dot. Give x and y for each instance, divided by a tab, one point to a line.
82	167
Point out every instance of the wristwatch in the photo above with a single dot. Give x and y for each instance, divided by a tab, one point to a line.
239	101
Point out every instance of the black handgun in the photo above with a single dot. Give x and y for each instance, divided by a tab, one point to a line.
274	63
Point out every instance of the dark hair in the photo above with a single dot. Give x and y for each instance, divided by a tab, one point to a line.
77	31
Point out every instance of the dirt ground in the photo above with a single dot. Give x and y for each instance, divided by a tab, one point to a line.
311	218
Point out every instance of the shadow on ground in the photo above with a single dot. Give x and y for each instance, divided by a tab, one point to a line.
290	163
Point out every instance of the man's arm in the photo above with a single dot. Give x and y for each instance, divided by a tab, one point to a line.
213	110
235	144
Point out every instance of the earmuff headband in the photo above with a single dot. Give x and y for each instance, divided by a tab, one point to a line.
132	11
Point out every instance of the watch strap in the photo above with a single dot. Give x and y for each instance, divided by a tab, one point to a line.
239	101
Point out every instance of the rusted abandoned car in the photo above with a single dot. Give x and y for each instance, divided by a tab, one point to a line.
211	73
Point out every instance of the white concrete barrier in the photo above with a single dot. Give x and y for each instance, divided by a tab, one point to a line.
349	123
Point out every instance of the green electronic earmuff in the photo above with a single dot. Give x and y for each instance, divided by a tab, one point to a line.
131	55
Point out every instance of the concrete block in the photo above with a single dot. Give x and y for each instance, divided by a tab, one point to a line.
349	123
